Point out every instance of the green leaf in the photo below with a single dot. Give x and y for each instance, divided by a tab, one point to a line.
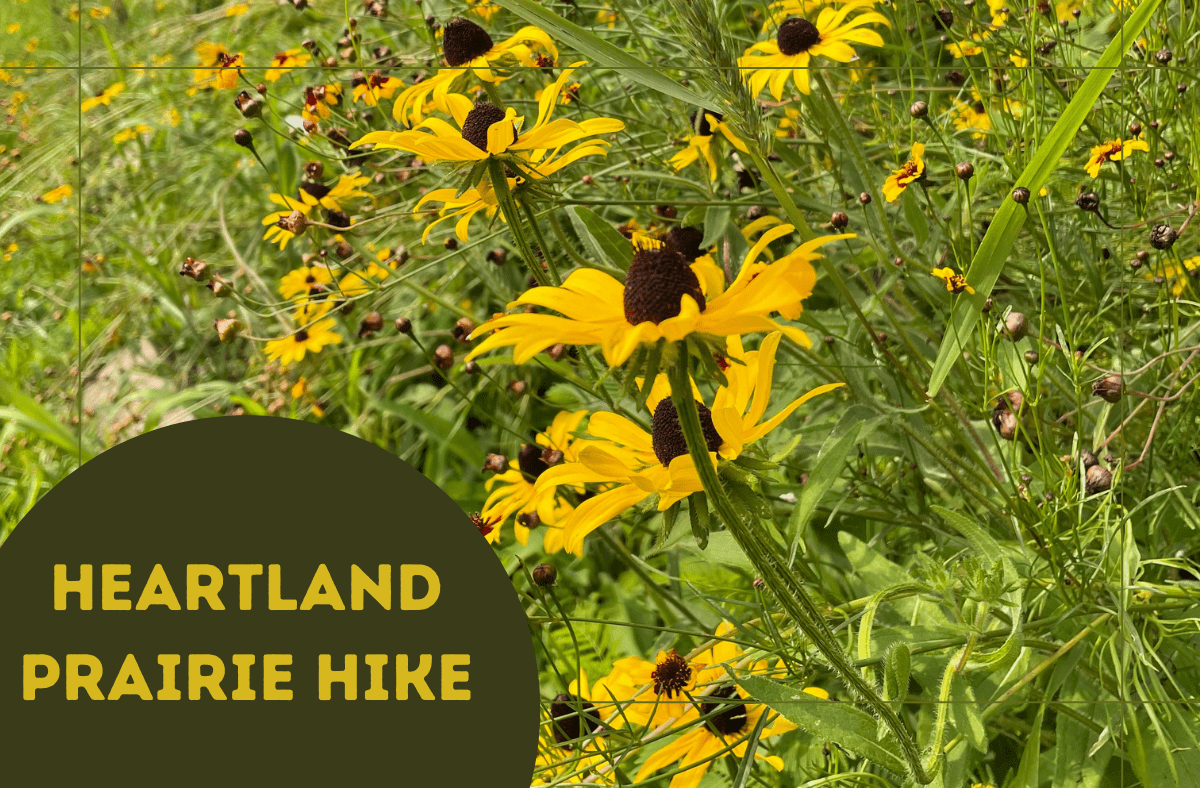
1006	224
698	517
896	668
827	720
604	53
32	416
967	718
828	468
716	219
606	245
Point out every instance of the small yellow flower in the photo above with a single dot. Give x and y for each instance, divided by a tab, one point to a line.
103	97
1113	150
911	171
1178	276
700	143
31	45
311	338
305	283
955	283
172	117
237	10
318	100
283	62
9	251
57	195
1065	11
375	87
132	132
972	116
219	69
14	27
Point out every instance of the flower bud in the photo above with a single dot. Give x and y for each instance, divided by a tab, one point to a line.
1163	56
195	269
462	329
1135	128
529	520
314	170
964	170
1163	237
404	325
227	329
243	138
472	368
497	256
1097	480
1016	326
1020	195
1109	388
864	198
1032	357
544	575
443	357
1004	420
919	109
839	219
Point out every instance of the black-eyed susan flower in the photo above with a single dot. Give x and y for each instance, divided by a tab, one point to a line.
487	130
470	51
462	206
634	464
1112	150
311	195
104	97
955	283
910	172
375	86
311	337
571	746
700	143
285	61
219	69
514	492
306	283
664	296
772	62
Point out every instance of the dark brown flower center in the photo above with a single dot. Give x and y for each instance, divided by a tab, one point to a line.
317	190
572	717
667	436
686	241
529	460
657	280
671	675
797	35
730	718
481	118
463	41
705	128
301	336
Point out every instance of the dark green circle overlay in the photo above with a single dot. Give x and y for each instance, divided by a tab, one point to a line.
264	491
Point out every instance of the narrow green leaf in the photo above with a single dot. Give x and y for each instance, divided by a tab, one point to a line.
604	53
716	219
1006	224
967	717
606	245
828	720
896	669
33	416
698	516
828	469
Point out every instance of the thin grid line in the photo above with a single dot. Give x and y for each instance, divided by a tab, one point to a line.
79	241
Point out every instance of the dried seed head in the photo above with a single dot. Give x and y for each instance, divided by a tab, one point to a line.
1032	357
1163	237
1004	420
552	456
517	387
443	357
1163	56
314	170
1088	201
1020	195
227	329
666	435
544	575
943	18
497	256
1016	326
797	35
249	106
557	351
464	41
370	324
964	170
462	329
1087	459
243	138
220	286
404	325
481	118
295	223
919	109
1097	480
495	463
1109	388
1135	128
838	220
864	198
195	269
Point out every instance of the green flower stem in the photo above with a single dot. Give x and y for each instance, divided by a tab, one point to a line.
770	562
512	215
541	241
493	94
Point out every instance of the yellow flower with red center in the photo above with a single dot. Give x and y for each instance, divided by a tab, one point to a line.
285	61
318	100
219	69
375	87
1112	150
955	283
910	172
